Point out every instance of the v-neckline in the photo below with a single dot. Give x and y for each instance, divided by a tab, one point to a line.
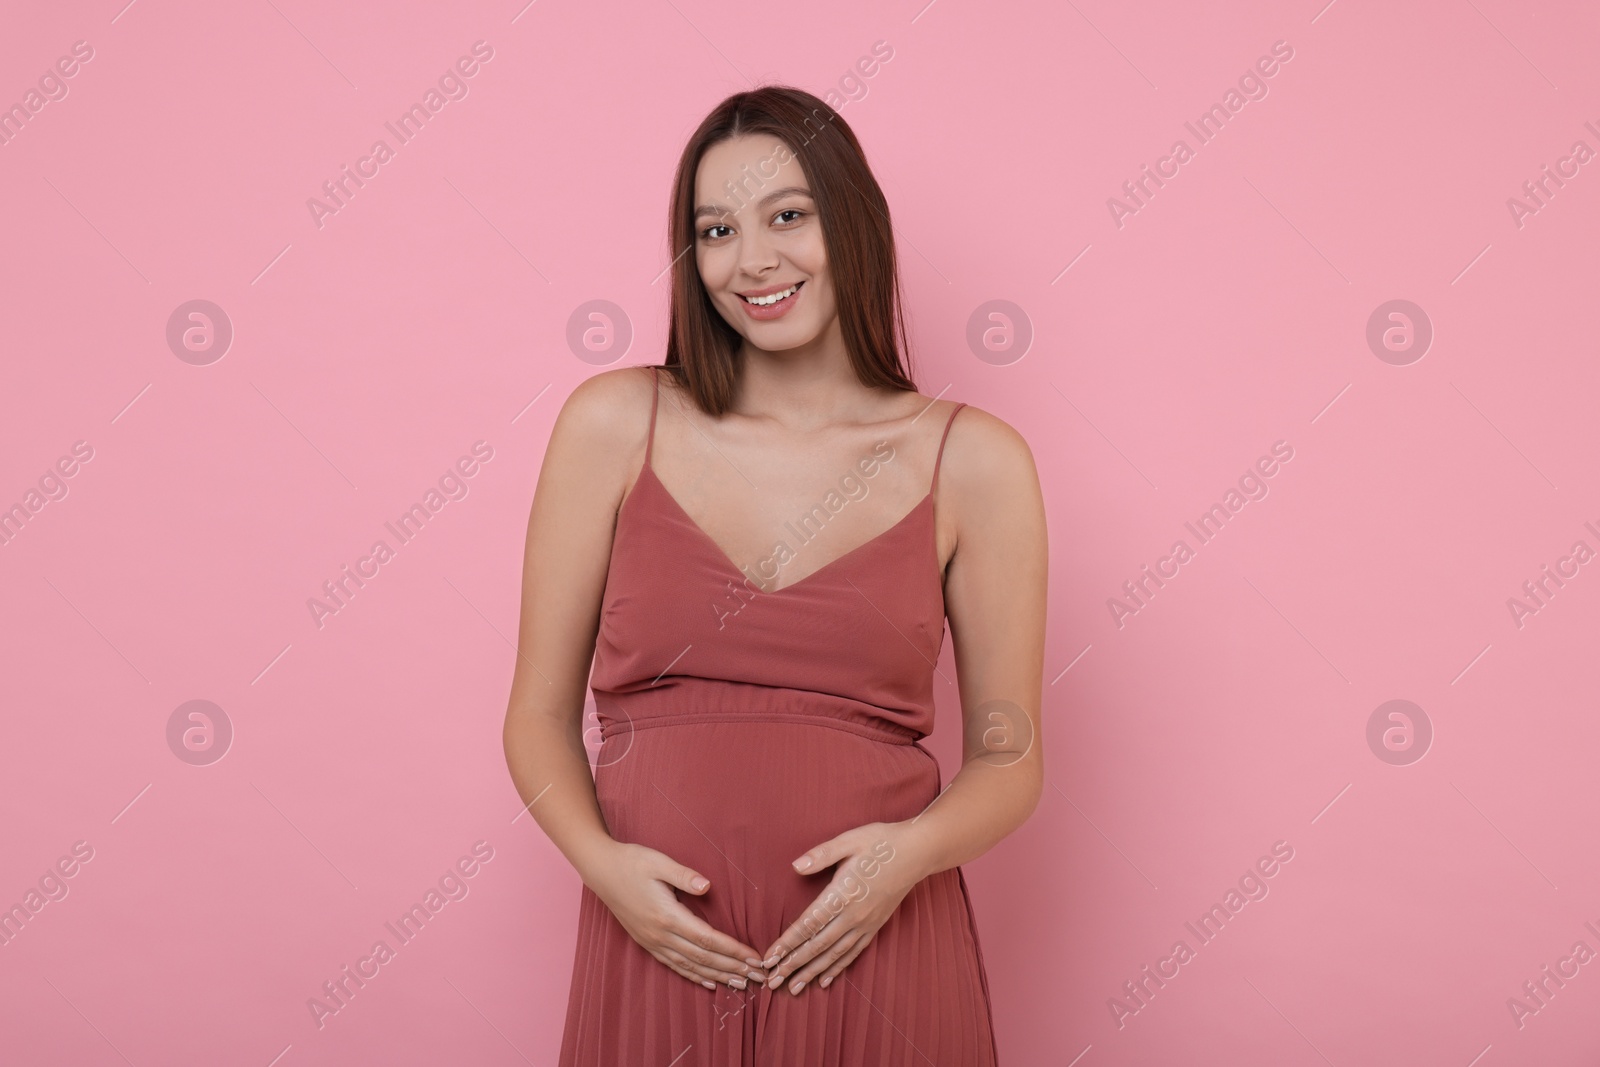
727	560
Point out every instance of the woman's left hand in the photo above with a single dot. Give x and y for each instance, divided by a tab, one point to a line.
869	884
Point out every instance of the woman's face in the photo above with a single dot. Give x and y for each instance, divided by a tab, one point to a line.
756	235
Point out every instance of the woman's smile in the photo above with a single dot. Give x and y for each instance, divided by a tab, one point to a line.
770	303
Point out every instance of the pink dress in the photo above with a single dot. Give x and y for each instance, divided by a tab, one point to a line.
739	730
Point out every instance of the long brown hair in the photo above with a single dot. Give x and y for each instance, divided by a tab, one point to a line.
857	239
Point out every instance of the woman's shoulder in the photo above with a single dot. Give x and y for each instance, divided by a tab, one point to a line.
610	396
607	409
985	456
600	432
981	435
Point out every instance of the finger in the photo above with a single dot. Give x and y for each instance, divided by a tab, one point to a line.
708	976
829	851
737	956
805	953
686	924
674	873
823	960
803	929
722	968
681	966
821	857
844	961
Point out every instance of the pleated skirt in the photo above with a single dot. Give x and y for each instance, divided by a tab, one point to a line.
738	801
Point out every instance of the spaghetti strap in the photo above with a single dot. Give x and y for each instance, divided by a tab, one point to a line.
938	459
655	398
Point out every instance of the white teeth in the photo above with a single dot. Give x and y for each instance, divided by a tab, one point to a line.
763	301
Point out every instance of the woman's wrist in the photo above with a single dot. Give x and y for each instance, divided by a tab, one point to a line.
594	858
916	847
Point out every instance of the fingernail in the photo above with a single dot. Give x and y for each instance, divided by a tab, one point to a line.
825	981
802	863
752	961
775	981
757	976
708	983
797	987
699	884
737	983
770	961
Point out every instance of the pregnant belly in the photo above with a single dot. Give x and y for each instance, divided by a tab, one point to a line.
740	801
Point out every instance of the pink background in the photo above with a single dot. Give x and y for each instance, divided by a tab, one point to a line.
1168	354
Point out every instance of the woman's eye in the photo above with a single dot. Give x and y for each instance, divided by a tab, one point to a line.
707	231
789	211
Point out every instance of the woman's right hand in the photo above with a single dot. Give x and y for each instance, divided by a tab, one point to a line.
636	883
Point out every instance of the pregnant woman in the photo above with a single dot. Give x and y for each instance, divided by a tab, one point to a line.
755	546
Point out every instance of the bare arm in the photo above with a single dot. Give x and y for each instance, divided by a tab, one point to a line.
995	591
565	557
595	447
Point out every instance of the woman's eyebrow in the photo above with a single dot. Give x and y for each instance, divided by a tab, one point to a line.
716	211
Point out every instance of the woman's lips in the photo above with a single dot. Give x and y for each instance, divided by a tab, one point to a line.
767	312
